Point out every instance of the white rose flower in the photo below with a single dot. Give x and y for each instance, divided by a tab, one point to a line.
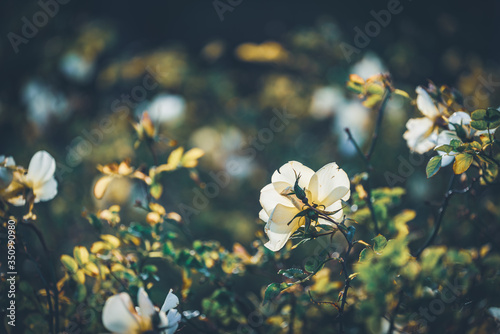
326	189
421	134
40	178
119	315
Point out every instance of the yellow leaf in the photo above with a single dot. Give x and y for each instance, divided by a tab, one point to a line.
92	269
187	281
69	263
80	276
190	159
401	93
462	163
81	255
153	218
157	208
99	246
175	157
111	239
101	185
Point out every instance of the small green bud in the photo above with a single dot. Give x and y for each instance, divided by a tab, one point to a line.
299	192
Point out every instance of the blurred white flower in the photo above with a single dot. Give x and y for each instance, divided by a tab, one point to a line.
43	103
326	101
75	67
165	108
368	66
40	178
120	316
421	134
357	118
225	149
327	188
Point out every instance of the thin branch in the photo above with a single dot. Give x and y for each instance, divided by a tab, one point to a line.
346	289
319	302
367	157
449	193
46	287
53	283
378	123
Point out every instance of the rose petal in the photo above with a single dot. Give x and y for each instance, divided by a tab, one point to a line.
263	215
146	306
46	191
278	230
174	317
269	198
418	136
288	173
329	185
118	314
42	167
460	118
171	301
425	103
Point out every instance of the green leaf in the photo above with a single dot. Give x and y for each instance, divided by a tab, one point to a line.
478	115
156	190
433	166
479	125
460	131
375	89
379	243
273	290
484	119
81	255
364	254
444	148
303	241
455	143
462	163
69	263
294	273
315	263
476	146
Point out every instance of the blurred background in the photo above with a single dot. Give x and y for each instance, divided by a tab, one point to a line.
216	76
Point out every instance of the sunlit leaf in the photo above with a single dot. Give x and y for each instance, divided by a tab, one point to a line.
69	263
81	254
462	163
379	243
101	185
433	166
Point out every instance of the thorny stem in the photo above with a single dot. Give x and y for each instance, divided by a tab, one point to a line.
346	288
53	282
449	193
